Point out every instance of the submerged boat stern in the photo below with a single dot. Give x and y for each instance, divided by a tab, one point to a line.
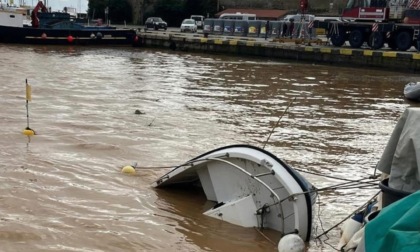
250	187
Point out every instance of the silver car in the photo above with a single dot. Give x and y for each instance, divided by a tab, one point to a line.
188	25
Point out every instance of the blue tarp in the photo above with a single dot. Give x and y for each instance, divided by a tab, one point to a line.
396	228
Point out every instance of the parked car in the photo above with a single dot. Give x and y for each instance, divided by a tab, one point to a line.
188	25
199	20
155	23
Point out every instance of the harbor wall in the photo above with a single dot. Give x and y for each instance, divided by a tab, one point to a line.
299	50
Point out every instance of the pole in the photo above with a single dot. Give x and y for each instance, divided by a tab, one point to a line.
28	98
28	131
27	114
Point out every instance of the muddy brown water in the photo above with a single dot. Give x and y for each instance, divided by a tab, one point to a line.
62	190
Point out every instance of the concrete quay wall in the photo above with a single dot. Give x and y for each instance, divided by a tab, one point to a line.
323	54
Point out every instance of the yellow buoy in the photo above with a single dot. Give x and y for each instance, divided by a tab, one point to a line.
128	169
28	132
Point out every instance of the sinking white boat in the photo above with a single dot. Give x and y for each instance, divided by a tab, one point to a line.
250	187
412	91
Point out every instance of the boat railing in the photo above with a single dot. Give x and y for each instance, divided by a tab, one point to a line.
250	175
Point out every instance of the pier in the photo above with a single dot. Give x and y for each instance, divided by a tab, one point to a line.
316	50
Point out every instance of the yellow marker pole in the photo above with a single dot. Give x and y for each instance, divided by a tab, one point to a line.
28	98
28	131
28	91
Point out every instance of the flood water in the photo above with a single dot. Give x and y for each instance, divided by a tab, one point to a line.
63	190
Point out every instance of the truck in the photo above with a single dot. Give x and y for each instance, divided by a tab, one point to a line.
376	22
199	20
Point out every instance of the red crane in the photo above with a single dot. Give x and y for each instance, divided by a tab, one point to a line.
34	14
303	6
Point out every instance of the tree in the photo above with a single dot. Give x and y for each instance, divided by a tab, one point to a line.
172	11
96	8
205	8
119	10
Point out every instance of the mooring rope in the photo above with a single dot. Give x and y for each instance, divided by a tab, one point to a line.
346	185
154	167
338	178
322	226
266	237
278	121
350	215
188	163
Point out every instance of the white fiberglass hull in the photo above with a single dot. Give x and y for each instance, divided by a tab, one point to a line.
250	187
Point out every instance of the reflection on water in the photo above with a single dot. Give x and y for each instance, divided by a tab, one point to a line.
64	189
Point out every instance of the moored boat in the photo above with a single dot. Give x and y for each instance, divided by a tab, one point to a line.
59	28
249	187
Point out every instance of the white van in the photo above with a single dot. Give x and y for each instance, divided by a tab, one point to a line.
199	20
238	16
298	17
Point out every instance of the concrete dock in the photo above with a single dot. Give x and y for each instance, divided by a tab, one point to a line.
316	50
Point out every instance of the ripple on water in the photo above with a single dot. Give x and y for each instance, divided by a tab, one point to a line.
63	189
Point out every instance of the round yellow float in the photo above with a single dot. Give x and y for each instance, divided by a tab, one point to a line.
128	169
28	132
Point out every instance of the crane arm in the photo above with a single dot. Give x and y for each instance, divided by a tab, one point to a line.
34	14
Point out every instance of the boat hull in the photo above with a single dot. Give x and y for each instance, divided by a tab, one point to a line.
86	36
250	187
